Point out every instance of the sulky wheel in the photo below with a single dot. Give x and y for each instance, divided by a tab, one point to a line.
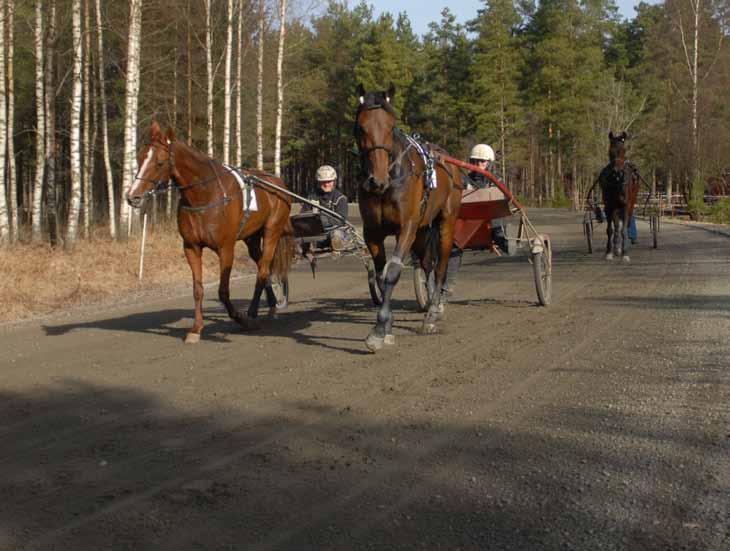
588	231
423	285
374	283
654	225
542	270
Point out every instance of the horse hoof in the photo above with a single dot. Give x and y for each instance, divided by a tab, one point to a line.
389	339
428	328
609	256
192	338
626	259
249	324
274	313
374	343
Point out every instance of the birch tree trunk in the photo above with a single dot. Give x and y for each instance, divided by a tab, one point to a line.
105	124
279	87
130	113
209	70
227	90
239	91
189	61
4	222
86	174
40	152
12	176
260	90
75	127
50	106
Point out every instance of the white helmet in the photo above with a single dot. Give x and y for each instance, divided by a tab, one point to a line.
326	173
482	152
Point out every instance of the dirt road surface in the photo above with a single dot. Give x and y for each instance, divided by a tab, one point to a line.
599	423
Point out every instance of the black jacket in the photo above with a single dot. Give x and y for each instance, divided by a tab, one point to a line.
334	200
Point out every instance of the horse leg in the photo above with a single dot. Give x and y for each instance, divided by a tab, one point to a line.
436	309
194	256
254	251
382	333
271	238
624	235
225	255
609	234
376	246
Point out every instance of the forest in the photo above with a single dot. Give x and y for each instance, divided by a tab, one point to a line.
271	84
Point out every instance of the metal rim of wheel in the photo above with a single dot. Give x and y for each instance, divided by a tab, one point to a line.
376	291
542	272
423	286
588	230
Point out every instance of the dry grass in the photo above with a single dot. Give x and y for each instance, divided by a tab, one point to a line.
37	280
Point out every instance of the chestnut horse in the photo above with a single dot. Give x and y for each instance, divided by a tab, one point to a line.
619	181
211	214
404	194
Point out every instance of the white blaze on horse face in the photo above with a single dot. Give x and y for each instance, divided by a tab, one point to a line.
141	170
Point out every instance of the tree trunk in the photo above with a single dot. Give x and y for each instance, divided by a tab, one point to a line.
279	87
50	146
209	70
189	60
12	176
227	86
40	155
4	221
86	174
239	91
105	124
130	112
75	127
260	90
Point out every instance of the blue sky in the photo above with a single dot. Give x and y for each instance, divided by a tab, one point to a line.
421	12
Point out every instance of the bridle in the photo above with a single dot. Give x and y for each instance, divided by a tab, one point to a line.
161	186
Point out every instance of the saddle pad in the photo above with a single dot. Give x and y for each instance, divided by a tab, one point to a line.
249	199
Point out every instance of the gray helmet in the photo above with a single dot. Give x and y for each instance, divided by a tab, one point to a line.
482	152
326	173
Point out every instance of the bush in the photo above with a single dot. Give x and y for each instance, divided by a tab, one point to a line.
720	212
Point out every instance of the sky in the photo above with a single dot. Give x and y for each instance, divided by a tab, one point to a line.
422	12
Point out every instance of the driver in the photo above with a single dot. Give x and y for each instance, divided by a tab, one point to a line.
327	195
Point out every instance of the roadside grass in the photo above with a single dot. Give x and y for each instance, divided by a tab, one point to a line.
37	279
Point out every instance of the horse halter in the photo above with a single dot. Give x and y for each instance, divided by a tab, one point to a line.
159	186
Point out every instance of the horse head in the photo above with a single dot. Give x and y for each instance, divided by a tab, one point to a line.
374	124
156	166
617	150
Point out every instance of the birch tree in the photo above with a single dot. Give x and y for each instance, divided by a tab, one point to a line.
209	72
87	132
227	86
4	225
12	179
260	89
40	156
279	87
131	102
105	123
239	87
75	127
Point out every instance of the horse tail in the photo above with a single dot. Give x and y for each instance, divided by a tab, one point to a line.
284	252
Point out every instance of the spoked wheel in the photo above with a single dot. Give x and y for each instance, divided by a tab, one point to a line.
423	284
654	226
542	270
588	231
374	284
281	292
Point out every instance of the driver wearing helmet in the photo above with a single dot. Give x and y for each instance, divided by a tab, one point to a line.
327	195
482	156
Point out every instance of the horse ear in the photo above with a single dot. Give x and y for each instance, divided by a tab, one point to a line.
390	93
170	136
610	135
361	93
624	135
155	131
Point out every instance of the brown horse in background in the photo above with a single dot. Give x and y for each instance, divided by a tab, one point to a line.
396	199
211	214
619	181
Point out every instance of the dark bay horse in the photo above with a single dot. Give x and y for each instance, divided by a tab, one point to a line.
211	215
416	199
619	181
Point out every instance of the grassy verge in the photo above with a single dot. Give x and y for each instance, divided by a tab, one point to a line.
37	280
